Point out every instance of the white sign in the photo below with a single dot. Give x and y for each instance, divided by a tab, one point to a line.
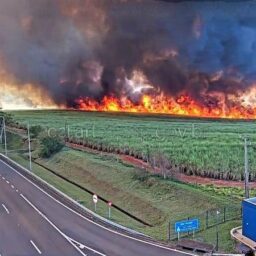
95	199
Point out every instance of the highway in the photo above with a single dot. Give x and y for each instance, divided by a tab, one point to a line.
32	222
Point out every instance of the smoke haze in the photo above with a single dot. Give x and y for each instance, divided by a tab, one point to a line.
74	49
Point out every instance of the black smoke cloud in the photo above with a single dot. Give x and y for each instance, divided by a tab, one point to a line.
83	48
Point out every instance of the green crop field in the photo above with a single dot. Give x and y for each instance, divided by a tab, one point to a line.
198	144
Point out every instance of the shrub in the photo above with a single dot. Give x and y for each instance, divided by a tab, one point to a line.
140	175
35	130
50	146
8	118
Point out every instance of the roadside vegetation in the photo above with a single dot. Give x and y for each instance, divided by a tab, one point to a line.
50	146
35	131
8	117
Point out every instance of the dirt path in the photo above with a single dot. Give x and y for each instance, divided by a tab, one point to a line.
208	181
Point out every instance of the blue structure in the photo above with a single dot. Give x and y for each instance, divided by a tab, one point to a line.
249	218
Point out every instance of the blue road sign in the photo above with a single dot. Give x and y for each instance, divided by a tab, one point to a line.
186	225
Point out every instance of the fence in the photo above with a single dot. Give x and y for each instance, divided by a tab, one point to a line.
208	219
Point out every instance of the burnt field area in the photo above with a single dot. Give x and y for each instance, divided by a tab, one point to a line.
206	147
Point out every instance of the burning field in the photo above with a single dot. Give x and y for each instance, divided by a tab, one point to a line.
188	58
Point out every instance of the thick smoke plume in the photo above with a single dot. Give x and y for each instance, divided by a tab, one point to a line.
90	48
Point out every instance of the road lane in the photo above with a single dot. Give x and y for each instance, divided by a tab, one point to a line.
20	225
84	231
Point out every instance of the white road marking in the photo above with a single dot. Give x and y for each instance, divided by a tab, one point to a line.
83	217
5	208
51	223
17	190
35	247
3	178
7	182
12	186
82	246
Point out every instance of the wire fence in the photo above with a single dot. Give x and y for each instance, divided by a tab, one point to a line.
207	219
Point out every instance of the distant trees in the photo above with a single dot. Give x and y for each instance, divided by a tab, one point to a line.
8	117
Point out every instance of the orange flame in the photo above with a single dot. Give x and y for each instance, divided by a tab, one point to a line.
161	104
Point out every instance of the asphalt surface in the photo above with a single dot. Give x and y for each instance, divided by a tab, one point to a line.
34	223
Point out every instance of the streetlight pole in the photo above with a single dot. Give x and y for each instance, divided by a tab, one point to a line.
1	136
246	172
5	140
29	150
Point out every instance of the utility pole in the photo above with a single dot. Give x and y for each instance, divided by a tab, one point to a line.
29	150
246	172
2	132
5	140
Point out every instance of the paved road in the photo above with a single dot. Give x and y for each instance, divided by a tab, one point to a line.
33	223
23	231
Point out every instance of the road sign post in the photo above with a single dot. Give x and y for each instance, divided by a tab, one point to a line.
109	209
178	231
95	200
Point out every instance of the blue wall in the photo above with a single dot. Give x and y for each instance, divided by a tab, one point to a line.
249	220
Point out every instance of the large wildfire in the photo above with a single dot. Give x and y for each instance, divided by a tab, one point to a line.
194	58
161	104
